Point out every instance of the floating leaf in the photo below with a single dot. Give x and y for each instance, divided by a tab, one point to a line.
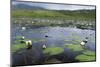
38	40
83	57
16	47
89	53
53	50
18	37
74	47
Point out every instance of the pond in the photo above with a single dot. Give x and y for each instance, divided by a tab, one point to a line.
57	39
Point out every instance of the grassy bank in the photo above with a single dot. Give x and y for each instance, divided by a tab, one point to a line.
55	14
84	19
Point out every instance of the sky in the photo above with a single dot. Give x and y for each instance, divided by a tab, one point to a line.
54	6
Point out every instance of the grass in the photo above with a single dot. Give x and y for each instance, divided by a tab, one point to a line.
74	47
53	50
56	16
53	14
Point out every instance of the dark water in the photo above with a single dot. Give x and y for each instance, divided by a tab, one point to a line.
57	37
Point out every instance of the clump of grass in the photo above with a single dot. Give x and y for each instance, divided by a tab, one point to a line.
17	47
74	47
53	50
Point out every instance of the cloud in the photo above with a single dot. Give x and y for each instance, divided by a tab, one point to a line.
53	6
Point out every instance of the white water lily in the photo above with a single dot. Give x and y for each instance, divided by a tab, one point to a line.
22	37
83	43
23	28
28	43
44	46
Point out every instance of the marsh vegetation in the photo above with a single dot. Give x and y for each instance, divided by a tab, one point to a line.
61	31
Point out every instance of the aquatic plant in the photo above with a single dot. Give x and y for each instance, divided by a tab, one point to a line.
20	44
38	40
89	53
74	47
43	31
18	37
86	56
34	40
17	47
53	50
75	39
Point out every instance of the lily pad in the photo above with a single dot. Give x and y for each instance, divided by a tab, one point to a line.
83	57
89	53
38	40
18	37
53	50
17	47
74	47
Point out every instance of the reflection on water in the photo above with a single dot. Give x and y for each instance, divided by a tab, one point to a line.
57	37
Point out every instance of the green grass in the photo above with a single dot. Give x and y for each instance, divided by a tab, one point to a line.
60	15
53	50
52	14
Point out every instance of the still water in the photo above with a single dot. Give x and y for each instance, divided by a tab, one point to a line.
57	37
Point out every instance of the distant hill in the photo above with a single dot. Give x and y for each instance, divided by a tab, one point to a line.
24	10
24	6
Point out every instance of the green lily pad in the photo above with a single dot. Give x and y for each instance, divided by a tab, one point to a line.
38	40
74	47
73	41
53	50
17	47
89	53
18	37
83	57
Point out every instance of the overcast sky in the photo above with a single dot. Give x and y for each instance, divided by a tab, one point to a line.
55	6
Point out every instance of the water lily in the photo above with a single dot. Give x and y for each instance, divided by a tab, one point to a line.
86	56
53	50
74	47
